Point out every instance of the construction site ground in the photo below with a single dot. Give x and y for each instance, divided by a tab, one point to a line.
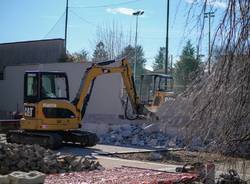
117	156
111	156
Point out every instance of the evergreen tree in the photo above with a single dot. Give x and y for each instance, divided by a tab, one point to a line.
100	53
186	68
129	52
80	57
159	59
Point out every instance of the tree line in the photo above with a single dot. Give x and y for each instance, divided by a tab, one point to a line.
112	43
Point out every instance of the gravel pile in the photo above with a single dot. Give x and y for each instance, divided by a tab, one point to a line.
25	158
141	135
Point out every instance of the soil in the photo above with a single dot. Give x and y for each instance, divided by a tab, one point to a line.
179	157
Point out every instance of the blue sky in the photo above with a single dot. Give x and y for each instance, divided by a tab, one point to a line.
39	19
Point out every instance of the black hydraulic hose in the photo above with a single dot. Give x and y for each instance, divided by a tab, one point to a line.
126	112
86	101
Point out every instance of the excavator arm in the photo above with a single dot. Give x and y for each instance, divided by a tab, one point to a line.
87	83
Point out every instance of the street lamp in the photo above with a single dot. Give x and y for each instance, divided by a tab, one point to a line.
137	14
209	15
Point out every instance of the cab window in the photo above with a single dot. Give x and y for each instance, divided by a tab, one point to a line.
53	86
32	85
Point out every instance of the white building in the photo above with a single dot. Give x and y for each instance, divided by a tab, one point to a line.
105	99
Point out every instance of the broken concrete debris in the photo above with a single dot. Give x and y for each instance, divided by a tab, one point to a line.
19	177
14	157
141	135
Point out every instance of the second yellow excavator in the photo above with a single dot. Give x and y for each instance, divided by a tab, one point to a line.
50	119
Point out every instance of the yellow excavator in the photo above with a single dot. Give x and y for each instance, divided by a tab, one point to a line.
50	119
155	90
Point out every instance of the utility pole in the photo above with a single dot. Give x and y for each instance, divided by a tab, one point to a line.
197	52
66	26
166	50
209	15
171	64
137	13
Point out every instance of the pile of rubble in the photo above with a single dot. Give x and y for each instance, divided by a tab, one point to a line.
141	135
25	158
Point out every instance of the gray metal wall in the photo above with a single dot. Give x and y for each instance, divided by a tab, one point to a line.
105	98
31	52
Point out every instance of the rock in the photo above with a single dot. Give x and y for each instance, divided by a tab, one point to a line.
86	163
152	128
153	142
35	177
4	179
21	164
155	156
32	177
135	140
40	159
17	177
77	161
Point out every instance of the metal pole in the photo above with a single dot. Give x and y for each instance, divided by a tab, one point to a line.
135	47
209	47
209	15
171	64
166	50
66	26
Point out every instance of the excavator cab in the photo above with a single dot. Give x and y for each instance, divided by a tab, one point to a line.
156	89
45	85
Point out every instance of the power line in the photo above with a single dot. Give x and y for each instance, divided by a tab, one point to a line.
107	5
82	19
54	25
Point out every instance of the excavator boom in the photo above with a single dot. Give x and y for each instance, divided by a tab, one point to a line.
85	90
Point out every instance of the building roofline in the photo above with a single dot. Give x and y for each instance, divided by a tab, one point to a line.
31	41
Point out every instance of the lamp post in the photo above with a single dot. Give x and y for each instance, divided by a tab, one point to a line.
209	15
166	50
137	14
66	27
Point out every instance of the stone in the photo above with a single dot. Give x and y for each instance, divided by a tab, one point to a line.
32	177
153	142
77	161
40	159
4	179
17	177
155	156
21	164
86	163
35	177
152	128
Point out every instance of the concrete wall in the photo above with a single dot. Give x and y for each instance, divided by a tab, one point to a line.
105	98
31	52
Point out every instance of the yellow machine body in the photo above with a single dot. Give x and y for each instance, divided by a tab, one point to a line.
155	90
35	117
40	122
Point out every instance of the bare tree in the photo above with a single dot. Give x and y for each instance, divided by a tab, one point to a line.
219	103
114	38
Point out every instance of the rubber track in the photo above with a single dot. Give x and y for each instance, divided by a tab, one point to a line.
84	138
46	139
52	140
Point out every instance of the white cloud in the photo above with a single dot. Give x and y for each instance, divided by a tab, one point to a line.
215	3
121	10
190	1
